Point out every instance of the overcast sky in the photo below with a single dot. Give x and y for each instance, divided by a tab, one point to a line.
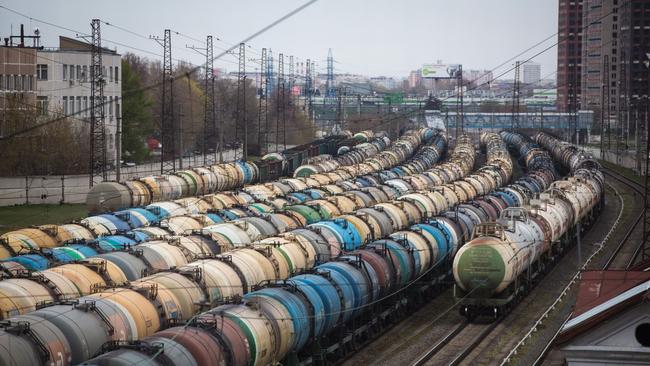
378	37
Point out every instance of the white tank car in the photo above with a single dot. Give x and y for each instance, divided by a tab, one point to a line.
498	253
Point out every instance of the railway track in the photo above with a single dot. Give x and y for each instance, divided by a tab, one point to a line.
454	347
624	256
461	341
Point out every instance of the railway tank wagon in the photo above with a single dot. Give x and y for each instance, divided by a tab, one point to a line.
506	258
113	196
177	217
277	318
116	259
251	201
184	289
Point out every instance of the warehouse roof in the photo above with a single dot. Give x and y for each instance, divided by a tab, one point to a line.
602	294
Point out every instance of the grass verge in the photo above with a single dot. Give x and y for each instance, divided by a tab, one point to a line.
16	217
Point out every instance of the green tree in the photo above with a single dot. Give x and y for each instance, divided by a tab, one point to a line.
137	121
52	148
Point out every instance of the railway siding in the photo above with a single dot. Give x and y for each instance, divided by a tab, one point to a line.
616	253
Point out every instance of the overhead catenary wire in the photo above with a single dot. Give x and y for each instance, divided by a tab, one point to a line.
197	199
154	85
348	309
397	116
381	299
281	19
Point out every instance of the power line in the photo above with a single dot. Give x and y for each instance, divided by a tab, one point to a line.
192	71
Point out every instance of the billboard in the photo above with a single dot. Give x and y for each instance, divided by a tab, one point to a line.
442	71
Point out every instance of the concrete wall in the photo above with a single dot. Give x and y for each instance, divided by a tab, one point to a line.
73	188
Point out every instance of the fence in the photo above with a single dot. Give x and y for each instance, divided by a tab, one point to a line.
627	159
57	189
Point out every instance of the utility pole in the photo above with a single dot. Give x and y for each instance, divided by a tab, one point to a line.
573	121
97	169
210	139
459	101
637	145
645	252
292	102
284	106
627	126
279	102
168	125
330	75
308	87
645	249
241	98
339	110
462	102
180	122
118	148
602	114
390	113
515	98
343	110
570	107
358	104
210	106
180	134
606	101
292	75
623	85
263	105
446	124
269	65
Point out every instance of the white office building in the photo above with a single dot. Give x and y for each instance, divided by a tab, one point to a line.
532	73
63	86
